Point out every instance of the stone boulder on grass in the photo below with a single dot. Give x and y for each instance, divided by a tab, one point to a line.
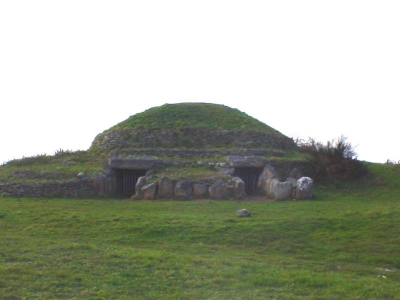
218	190
149	191
165	188
243	213
264	180
183	189
239	188
200	190
281	190
304	189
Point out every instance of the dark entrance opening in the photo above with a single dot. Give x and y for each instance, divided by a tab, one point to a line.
126	181
250	177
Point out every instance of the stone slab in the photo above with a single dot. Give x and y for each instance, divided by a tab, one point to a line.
132	163
246	161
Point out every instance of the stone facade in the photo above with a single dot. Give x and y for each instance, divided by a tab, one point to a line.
183	138
194	153
269	184
83	188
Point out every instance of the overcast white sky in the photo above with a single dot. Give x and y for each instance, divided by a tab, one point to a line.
71	69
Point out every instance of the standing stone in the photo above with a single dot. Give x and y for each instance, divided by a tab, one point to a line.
270	187
138	187
200	190
304	189
281	190
149	191
183	189
239	188
218	190
264	181
166	188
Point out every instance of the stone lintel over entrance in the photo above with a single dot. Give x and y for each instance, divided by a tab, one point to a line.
246	161
139	163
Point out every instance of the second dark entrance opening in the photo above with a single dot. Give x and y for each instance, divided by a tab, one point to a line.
250	177
126	181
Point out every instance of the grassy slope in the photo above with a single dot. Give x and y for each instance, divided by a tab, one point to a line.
63	165
343	246
196	115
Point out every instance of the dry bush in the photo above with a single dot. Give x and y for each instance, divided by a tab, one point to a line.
334	160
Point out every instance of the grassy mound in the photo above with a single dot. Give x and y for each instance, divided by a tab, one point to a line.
191	126
193	115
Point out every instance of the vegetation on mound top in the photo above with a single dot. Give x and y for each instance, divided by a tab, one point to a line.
191	126
193	115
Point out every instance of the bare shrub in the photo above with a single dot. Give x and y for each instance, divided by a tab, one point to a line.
392	162
334	160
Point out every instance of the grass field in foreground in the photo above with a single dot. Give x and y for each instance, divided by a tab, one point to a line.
345	245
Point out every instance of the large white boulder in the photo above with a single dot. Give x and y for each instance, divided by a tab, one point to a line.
304	189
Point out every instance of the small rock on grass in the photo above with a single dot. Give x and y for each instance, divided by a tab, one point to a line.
243	213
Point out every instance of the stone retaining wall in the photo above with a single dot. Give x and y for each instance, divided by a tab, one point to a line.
190	138
83	188
186	153
104	184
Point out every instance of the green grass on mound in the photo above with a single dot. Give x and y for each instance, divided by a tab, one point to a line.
63	165
193	115
345	245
